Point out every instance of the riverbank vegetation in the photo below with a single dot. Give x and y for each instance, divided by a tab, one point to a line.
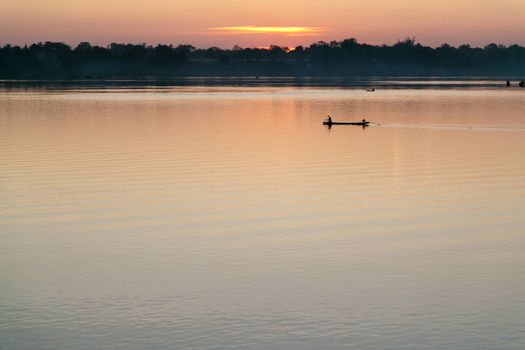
336	58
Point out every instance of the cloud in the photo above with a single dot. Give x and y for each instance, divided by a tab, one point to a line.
289	31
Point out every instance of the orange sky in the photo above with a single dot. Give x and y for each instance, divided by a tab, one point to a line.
225	23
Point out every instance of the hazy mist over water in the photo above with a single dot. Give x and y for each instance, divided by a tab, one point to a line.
228	217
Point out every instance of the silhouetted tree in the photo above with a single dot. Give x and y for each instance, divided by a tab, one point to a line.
346	57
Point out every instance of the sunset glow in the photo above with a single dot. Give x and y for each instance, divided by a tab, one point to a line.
206	23
265	30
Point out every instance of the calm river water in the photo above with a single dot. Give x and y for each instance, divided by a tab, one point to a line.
229	218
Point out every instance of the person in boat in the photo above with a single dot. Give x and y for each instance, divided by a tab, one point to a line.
364	121
508	83
328	119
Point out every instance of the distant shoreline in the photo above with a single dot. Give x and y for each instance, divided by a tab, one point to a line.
347	58
377	82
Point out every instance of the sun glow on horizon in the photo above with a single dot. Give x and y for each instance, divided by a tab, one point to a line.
208	23
291	31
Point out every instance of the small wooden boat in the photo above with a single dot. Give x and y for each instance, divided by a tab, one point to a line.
365	123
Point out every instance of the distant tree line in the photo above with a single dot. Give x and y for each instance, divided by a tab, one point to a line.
341	58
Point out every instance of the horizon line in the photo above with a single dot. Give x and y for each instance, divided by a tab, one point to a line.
150	43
